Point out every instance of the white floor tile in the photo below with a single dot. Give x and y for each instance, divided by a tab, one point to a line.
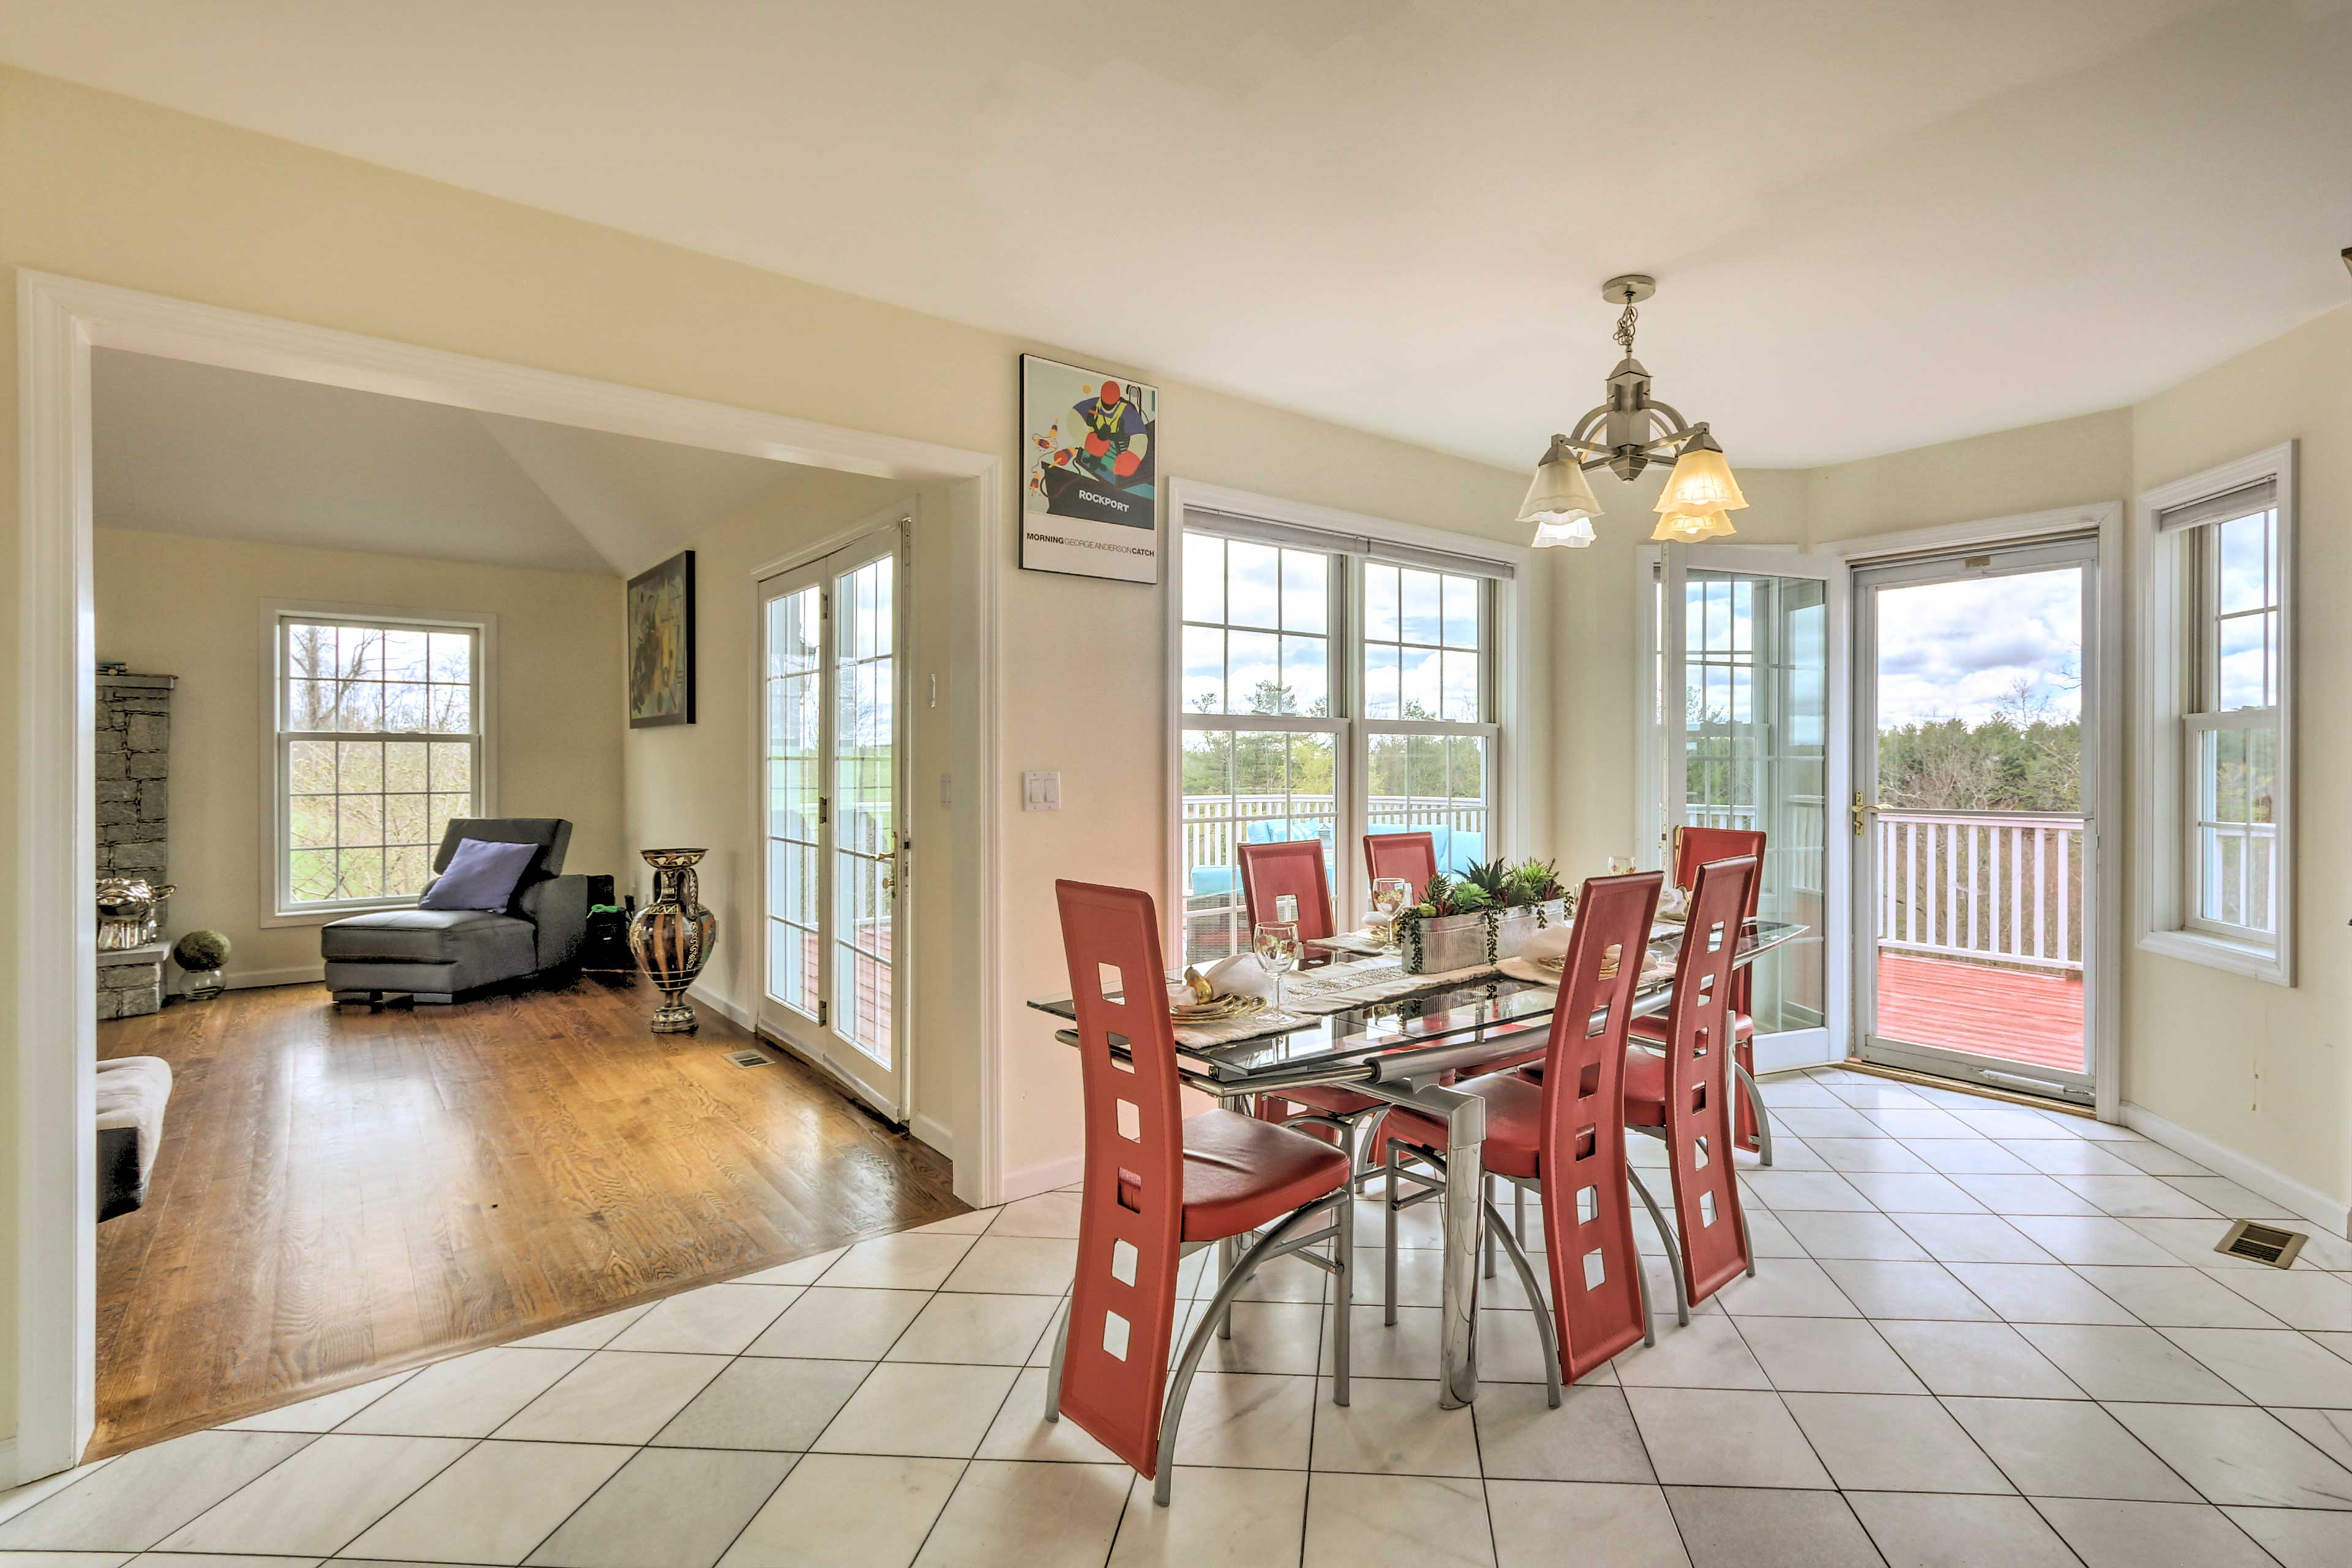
1974	1156
2270	1366
1624	1526
494	1505
318	1500
323	1414
2239	1455
1718	1439
717	1320
1896	1290
1392	1427
1022	1432
1711	1353
1355	1519
1923	1530
1783	1191
467	1397
1782	1287
2178	1298
2329	1431
1878	1442
919	1410
847	1509
998	1331
764	1402
1252	1421
1004	1514
1971	1239
140	1498
2069	1448
2151	1535
801	1272
830	1324
1215	1519
1047	1214
1867	1154
2301	1299
1734	1526
1278	1338
903	1262
616	1396
2158	1160
1985	1360
2227	1198
971	1222
1829	1233
667	1508
1922	1124
2089	1239
2014	1194
1843	1122
2068	1157
1591	1437
2138	1196
2039	1293
1827	1355
2112	1362
2298	1538
1015	1266
592	1334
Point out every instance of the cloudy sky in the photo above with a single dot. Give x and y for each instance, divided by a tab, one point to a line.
1951	650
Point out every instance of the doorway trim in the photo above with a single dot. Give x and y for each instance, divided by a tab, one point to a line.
2105	519
59	321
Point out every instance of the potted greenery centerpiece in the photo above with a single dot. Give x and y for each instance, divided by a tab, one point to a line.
201	953
1484	915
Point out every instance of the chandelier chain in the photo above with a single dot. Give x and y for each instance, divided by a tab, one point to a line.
1624	332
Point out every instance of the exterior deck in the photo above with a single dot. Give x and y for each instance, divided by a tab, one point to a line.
2033	1017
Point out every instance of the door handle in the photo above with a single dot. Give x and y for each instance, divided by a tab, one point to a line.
1859	810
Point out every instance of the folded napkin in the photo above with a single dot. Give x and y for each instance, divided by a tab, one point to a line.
1674	903
1240	975
1549	945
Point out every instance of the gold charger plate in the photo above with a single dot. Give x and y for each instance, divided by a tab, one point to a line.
1216	1010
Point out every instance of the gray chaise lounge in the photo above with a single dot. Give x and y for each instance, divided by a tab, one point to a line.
434	954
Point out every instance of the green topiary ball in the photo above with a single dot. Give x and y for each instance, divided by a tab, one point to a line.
201	950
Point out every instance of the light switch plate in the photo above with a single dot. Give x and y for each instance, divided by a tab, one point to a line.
1041	792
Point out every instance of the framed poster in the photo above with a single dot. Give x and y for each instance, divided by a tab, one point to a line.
1090	503
661	644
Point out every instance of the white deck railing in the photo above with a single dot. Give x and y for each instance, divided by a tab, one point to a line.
1212	823
2004	887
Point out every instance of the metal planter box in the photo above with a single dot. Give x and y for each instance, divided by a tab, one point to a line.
1459	941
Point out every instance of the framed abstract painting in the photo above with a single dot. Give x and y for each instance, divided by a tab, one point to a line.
661	644
1091	498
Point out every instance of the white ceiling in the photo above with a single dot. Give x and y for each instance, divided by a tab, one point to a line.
1875	224
226	454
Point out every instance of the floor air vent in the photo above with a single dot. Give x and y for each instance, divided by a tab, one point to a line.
754	1060
2263	1243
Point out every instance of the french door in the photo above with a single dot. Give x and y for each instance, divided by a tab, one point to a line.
1976	690
1743	726
831	784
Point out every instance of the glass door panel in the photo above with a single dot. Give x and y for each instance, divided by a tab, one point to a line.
835	852
1975	846
1756	755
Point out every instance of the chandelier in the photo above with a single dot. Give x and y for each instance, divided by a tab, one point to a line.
1625	434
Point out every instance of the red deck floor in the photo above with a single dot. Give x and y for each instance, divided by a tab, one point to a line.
2018	1016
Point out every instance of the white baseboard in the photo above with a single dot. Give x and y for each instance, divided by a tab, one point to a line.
1043	1177
254	979
2309	1202
738	1016
933	1132
8	1476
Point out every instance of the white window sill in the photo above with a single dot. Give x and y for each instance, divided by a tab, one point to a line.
2219	953
329	914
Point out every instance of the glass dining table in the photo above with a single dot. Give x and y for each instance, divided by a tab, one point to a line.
1398	1049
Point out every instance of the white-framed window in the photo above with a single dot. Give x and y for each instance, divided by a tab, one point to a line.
378	727
1329	686
2216	843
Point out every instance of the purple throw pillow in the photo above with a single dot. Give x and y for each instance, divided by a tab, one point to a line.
481	876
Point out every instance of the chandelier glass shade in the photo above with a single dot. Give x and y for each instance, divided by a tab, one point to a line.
1626	434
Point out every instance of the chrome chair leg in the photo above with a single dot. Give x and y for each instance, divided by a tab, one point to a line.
1674	1251
1389	1261
1519	1212
1755	1105
1642	1277
1275	1240
1343	1293
1490	1230
1061	1348
1547	1332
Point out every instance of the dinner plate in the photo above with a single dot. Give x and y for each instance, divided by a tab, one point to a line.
1216	1010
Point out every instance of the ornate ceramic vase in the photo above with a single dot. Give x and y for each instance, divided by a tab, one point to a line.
672	936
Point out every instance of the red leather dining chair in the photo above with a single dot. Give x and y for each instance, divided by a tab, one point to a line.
1565	1137
1292	870
1680	1095
1412	856
1694	848
1159	1186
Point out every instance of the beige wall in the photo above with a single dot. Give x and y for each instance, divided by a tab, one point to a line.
173	603
108	189
700	783
2035	468
2261	1068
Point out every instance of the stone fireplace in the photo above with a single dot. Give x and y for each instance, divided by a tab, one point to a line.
134	769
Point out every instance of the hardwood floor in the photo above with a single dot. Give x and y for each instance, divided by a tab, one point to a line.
341	1194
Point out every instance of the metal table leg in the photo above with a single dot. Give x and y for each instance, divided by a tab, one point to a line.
1463	1206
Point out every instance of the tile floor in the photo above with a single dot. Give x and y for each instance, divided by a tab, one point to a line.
1979	1334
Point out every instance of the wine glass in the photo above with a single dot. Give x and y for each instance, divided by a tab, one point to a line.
1389	895
1276	943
